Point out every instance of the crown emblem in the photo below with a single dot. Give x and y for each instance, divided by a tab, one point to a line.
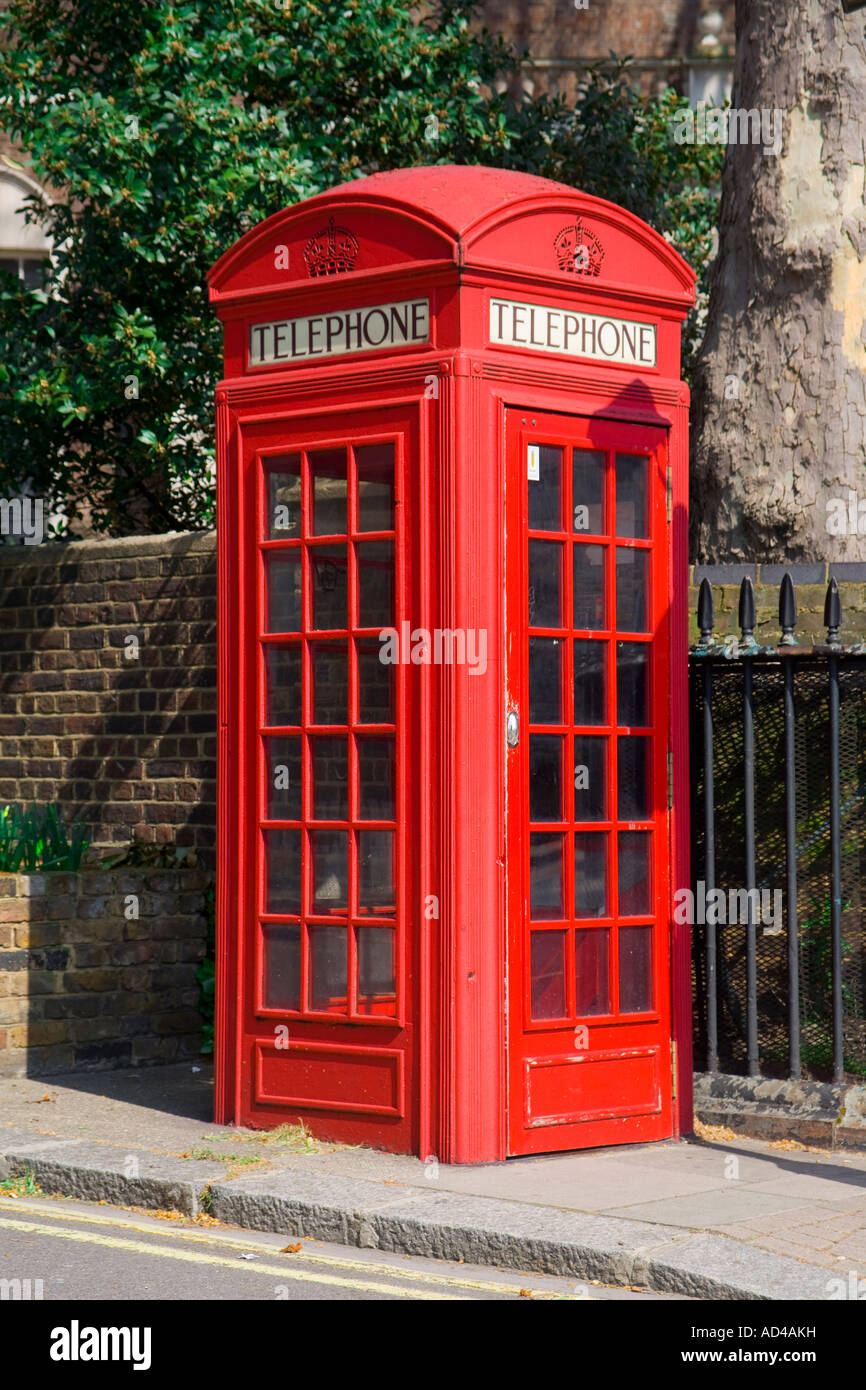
331	251
578	250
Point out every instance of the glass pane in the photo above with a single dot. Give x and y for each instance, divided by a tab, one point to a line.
283	777
281	966
283	695
590	609
592	972
589	682
375	960
375	686
632	493
376	778
545	584
283	581
633	778
545	680
632	678
545	777
283	480
282	871
376	871
328	966
330	667
548	974
329	850
588	491
329	576
546	892
376	584
375	465
328	482
634	873
632	577
590	874
545	491
590	777
635	969
34	274
330	778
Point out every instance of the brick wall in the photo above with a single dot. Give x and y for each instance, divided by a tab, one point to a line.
660	35
108	685
98	969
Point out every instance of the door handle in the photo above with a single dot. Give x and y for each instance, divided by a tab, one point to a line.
512	728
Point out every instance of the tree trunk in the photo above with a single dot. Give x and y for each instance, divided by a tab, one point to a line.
779	419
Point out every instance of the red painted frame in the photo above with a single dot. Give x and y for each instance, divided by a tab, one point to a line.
456	236
551	1044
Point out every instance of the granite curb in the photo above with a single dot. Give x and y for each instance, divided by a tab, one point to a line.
410	1220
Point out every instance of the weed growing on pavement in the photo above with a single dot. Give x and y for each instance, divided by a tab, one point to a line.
222	1158
20	1185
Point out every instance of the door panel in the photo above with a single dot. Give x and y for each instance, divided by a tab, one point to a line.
587	822
328	970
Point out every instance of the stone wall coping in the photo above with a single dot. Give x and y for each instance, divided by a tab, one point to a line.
110	548
816	572
64	880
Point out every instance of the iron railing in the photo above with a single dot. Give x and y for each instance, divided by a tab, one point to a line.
779	847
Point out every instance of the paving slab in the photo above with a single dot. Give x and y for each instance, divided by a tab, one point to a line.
814	1186
710	1209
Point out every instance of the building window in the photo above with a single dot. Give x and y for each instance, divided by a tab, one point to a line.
23	245
27	268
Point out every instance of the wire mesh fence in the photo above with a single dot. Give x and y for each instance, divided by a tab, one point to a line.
809	988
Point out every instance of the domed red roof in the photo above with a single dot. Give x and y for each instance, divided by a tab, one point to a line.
457	195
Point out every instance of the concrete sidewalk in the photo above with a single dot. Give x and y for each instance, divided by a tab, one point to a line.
716	1217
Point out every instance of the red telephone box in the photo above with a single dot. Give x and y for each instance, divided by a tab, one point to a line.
452	473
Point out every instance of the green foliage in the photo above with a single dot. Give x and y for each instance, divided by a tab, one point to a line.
816	950
141	854
166	129
816	959
36	840
21	1184
618	145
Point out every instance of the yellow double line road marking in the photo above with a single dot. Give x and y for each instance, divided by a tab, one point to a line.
283	1270
141	1247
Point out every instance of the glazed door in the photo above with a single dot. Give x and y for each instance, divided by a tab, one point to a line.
327	970
589	1055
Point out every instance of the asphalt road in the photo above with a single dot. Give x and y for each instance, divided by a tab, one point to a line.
82	1251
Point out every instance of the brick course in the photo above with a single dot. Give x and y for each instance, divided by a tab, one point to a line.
96	989
662	36
126	745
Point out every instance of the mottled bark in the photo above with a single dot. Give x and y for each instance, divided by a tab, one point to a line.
779	418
